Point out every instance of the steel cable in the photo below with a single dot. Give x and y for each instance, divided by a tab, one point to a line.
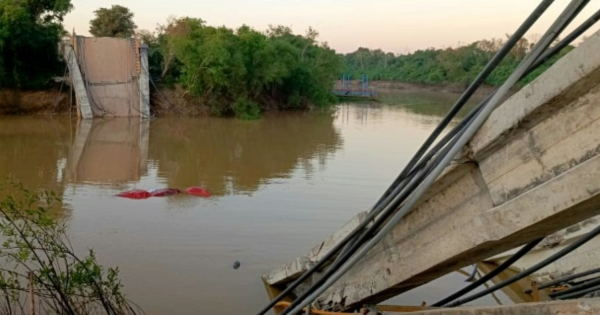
582	240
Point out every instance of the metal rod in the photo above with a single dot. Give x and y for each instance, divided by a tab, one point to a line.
568	278
522	252
582	240
576	288
473	273
579	293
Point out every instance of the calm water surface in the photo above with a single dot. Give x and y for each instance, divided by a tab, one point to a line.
280	185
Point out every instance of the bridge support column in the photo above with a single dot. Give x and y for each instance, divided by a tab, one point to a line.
144	82
84	108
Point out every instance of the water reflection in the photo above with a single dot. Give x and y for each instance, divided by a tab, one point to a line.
232	156
429	103
112	151
226	155
34	150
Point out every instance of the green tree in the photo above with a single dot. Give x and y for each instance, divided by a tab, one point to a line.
241	72
29	33
116	21
458	66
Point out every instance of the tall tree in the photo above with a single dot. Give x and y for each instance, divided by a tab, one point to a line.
29	33
116	21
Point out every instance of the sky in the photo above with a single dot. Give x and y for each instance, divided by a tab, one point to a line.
398	26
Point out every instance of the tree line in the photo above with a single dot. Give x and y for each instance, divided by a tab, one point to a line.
29	35
239	71
458	65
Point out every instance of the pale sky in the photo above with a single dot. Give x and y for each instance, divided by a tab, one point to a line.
398	26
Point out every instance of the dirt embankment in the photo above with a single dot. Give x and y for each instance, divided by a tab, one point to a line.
391	86
176	101
16	102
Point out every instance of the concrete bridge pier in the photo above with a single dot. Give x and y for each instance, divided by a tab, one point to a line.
110	76
144	82
84	109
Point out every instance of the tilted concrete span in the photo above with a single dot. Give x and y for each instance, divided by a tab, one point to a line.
531	170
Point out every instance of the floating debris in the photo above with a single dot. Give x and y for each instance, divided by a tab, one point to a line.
236	264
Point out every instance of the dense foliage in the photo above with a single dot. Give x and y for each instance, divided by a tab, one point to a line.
240	72
38	265
442	66
116	21
29	34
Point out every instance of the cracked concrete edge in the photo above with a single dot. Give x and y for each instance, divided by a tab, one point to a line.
555	82
296	267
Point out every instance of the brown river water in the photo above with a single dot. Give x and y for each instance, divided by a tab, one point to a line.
280	185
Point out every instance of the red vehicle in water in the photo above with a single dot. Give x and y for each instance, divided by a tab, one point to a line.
135	194
163	192
198	191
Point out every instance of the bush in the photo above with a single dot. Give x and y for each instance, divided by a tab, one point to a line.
38	262
246	109
244	67
29	36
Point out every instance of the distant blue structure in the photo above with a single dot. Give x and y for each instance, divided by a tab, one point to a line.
347	89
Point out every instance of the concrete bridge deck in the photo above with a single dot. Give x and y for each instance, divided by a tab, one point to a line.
531	170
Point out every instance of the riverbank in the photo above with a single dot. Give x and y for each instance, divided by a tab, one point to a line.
15	102
175	101
392	86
